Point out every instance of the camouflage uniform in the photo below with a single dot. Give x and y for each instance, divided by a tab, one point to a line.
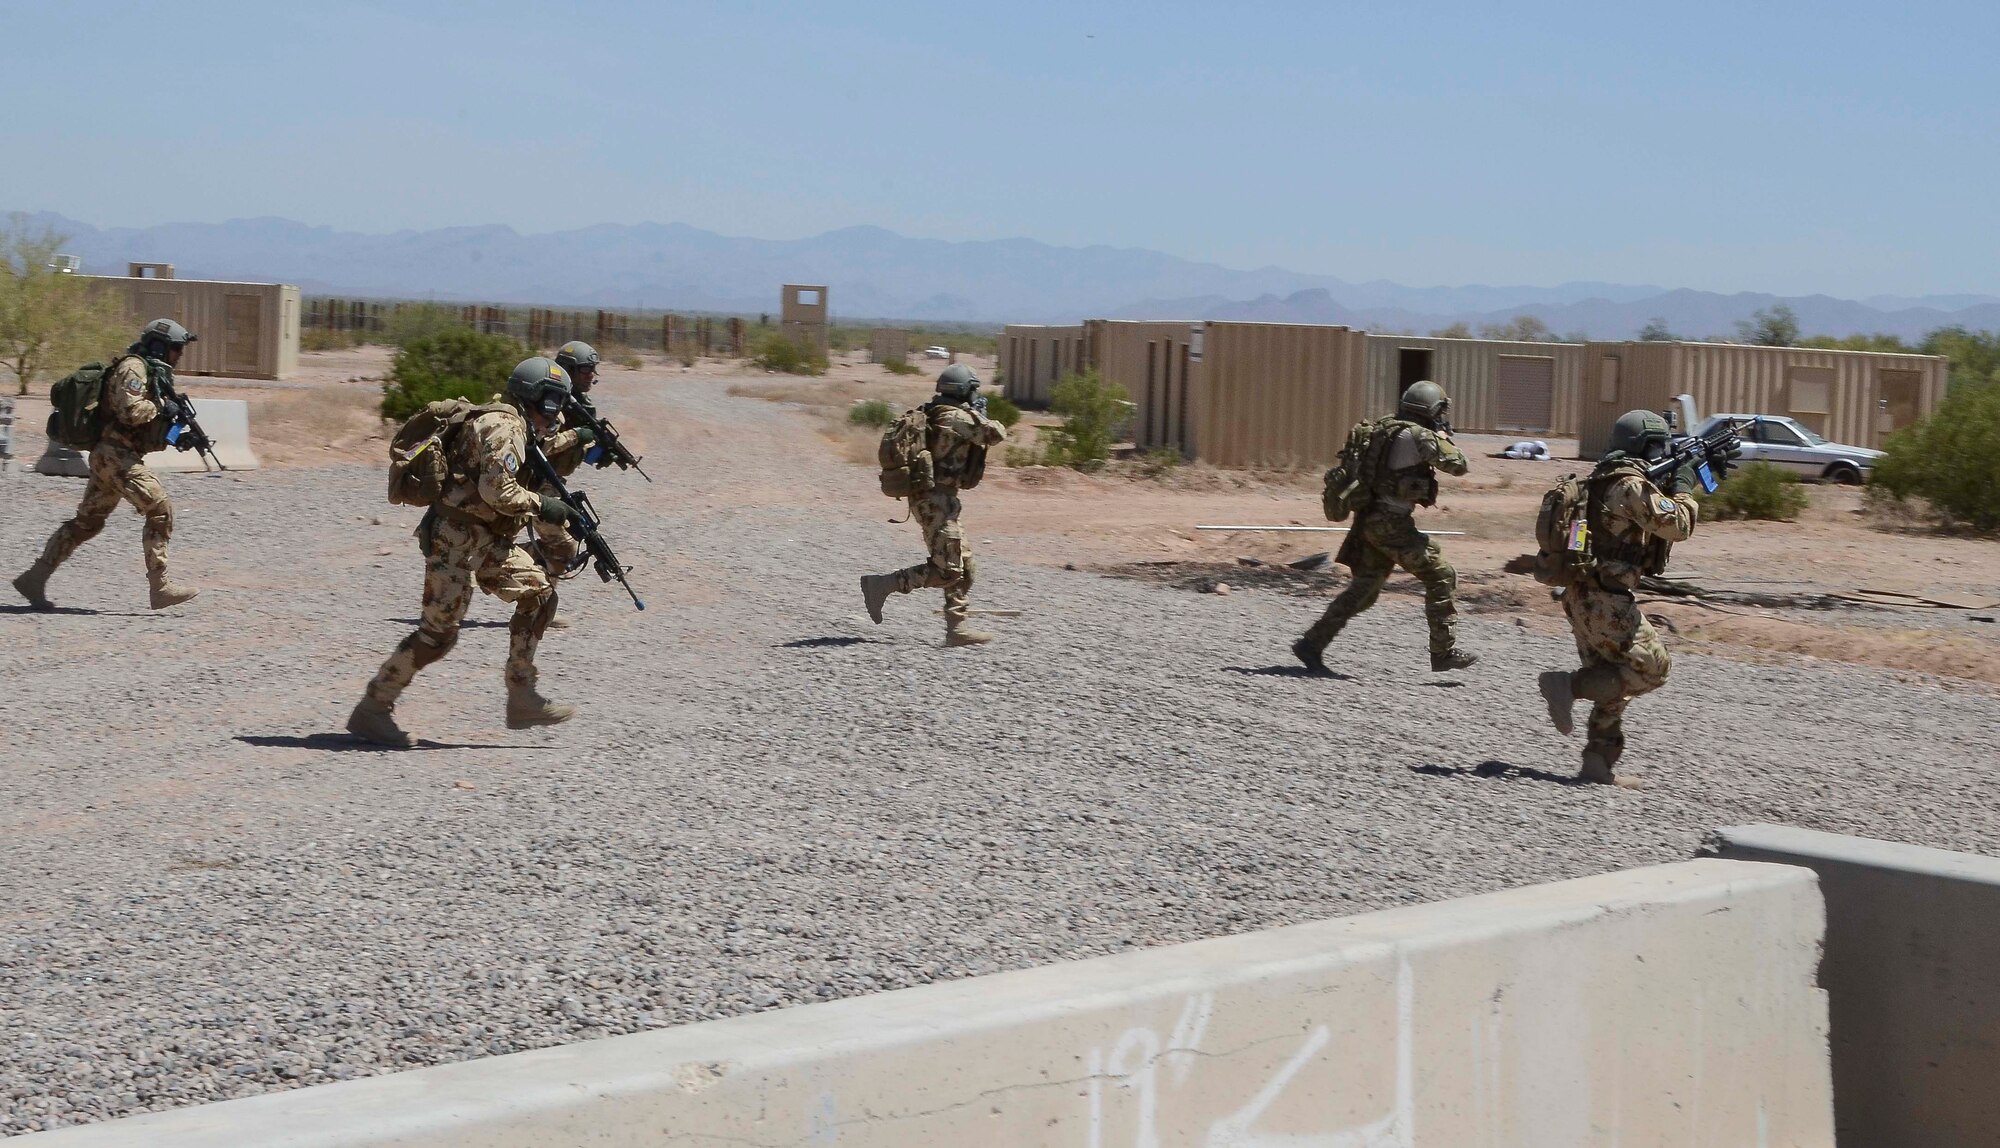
469	538
1631	524
1385	536
565	450
134	426
956	438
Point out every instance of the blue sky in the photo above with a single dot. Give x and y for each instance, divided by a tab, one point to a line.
1837	147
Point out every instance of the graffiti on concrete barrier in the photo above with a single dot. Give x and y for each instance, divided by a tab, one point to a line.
1140	1062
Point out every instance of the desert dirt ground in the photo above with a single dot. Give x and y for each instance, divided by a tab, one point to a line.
766	800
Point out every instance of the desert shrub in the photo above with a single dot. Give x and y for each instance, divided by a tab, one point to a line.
1951	459
777	353
899	367
1002	410
327	339
410	322
631	361
1090	408
1758	491
1023	456
458	363
871	413
1159	462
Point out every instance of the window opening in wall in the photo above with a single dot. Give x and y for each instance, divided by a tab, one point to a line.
1607	379
1413	365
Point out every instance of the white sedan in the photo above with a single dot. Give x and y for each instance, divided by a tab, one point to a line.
1790	445
937	353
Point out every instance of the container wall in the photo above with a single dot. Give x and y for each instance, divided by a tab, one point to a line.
1034	358
1495	386
1277	394
246	330
1156	363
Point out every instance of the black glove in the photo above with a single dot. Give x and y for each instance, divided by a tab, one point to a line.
555	510
585	435
1687	479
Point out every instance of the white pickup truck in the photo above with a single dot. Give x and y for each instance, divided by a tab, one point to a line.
1788	444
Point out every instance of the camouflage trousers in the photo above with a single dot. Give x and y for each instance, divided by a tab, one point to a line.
117	472
949	566
1378	543
458	556
555	547
1622	658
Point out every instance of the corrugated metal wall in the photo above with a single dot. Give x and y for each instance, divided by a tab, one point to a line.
247	330
1277	394
1843	395
1034	358
1468	370
1155	363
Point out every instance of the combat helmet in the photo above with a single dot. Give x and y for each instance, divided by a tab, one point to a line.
957	383
162	335
537	384
577	356
1425	402
1640	434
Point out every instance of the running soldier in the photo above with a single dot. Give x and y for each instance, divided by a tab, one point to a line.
951	435
469	537
1631	525
134	425
1399	474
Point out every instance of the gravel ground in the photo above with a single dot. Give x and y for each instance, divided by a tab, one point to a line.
209	891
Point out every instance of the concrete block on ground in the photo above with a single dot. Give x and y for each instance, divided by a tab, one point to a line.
1671	1005
1912	969
227	422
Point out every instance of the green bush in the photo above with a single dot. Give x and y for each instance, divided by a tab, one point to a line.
1090	409
1758	491
459	363
327	339
872	413
410	322
777	353
899	367
1951	459
1023	456
1002	410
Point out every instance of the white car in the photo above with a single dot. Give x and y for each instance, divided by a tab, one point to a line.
1789	444
937	353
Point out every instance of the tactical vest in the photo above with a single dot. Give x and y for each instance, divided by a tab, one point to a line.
1621	559
1416	484
153	435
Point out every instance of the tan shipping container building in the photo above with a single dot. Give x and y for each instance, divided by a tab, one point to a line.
1276	394
1496	386
1034	358
245	330
1156	363
1853	397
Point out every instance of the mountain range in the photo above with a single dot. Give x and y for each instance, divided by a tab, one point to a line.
875	273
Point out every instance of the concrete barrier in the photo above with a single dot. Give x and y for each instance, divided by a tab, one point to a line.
1913	970
1672	1005
227	422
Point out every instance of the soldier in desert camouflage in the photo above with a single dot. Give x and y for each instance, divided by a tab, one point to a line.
469	538
957	437
134	426
1632	526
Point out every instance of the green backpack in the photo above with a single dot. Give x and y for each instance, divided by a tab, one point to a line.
420	454
76	415
1350	485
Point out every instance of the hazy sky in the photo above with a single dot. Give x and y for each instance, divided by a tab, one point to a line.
1836	147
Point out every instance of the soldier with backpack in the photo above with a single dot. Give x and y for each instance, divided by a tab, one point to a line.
118	412
1388	469
928	455
1597	538
462	461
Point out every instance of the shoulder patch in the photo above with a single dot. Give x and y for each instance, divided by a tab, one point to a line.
510	462
1663	504
136	385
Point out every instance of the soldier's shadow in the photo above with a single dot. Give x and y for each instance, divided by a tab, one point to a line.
75	611
826	643
1287	672
348	743
464	624
1498	770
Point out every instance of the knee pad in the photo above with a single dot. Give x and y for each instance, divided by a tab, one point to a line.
427	646
85	529
965	579
534	619
1597	684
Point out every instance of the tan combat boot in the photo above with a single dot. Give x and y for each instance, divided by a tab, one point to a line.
959	634
1453	659
1561	699
875	590
167	594
526	708
375	722
1597	770
559	622
33	585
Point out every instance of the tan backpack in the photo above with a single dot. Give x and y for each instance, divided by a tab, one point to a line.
1562	532
420	454
905	455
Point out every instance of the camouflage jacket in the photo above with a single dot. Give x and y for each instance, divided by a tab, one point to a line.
485	482
1407	475
958	440
131	404
1633	524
